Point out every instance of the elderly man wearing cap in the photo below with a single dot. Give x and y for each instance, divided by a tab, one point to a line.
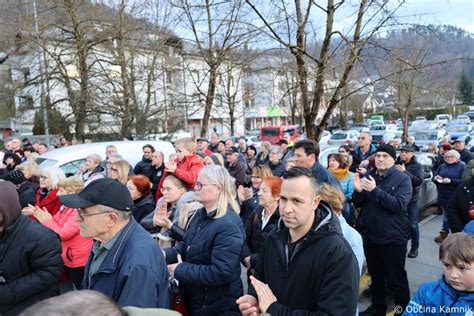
125	264
235	168
383	194
202	144
407	164
460	146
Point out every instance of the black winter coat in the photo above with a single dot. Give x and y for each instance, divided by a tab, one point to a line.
30	264
458	212
210	271
155	175
414	170
238	172
320	278
277	169
27	193
255	235
466	155
142	207
384	218
143	167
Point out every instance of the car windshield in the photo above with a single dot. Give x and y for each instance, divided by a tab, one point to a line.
44	162
270	131
457	129
338	136
426	136
378	128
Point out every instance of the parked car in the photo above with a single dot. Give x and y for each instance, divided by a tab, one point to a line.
342	137
425	137
360	127
461	131
273	134
443	119
421	118
464	119
470	114
70	158
251	140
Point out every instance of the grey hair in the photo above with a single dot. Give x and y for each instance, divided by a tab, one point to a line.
55	175
125	216
118	156
278	150
80	303
453	152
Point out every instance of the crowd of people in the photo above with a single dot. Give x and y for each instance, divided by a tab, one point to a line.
173	233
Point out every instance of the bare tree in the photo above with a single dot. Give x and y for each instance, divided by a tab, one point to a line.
291	32
216	29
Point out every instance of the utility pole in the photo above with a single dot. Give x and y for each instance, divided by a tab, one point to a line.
42	70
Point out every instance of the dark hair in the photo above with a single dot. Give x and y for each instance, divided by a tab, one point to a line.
309	146
43	144
243	137
346	148
343	163
20	151
296	172
221	142
149	146
252	147
29	148
457	248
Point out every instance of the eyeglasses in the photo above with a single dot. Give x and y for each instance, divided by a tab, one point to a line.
229	154
82	213
198	186
44	177
164	190
255	177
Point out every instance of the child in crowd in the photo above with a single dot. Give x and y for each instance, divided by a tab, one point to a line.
453	294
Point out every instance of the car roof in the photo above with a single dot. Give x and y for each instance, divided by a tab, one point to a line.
129	150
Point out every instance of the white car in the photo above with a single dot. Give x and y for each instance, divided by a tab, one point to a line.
70	158
341	137
464	119
323	141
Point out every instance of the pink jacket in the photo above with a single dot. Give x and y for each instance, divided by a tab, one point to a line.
76	249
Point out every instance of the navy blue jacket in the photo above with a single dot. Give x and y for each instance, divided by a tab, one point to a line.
210	271
277	169
466	155
446	190
248	206
384	219
323	175
435	298
134	272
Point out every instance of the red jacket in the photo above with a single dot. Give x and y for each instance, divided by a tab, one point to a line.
50	201
187	170
76	249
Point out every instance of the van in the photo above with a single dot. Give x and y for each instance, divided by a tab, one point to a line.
70	158
442	119
273	134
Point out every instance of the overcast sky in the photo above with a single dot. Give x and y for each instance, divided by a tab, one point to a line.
459	13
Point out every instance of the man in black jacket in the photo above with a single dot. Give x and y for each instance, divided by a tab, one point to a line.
274	161
306	265
30	256
143	167
235	168
407	164
157	170
383	194
460	146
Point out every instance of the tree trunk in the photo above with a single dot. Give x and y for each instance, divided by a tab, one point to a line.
209	100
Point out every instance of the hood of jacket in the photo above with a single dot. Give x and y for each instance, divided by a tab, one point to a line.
146	159
10	208
325	222
148	199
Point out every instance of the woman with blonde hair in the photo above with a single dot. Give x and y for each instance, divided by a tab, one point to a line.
76	249
26	179
93	169
119	171
207	262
